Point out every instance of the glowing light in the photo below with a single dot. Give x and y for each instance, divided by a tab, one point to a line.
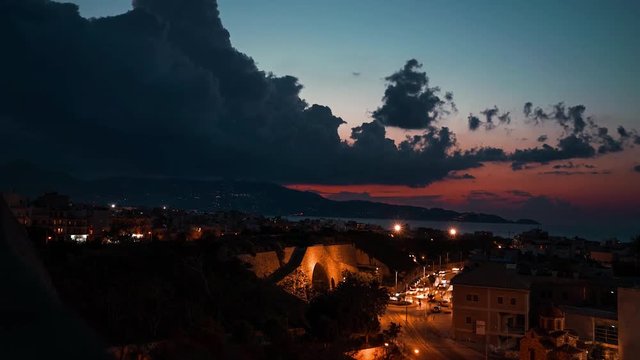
113	206
416	351
386	344
397	227
453	232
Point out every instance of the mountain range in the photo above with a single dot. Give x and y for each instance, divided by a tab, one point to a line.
216	195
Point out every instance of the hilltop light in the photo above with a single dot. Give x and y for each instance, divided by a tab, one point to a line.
453	232
113	206
397	227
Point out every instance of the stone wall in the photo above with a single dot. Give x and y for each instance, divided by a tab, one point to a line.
334	259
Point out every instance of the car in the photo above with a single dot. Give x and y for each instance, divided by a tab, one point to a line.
436	309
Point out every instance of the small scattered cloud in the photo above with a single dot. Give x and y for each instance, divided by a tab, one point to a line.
356	73
569	173
571	165
520	193
464	176
542	138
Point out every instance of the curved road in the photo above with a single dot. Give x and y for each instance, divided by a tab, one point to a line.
424	335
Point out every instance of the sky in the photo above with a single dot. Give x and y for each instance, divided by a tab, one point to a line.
487	53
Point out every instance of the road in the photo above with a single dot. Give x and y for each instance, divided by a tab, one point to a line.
428	336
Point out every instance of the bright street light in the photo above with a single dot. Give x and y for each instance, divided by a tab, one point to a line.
397	227
453	232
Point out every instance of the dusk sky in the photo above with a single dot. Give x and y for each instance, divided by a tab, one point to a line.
488	55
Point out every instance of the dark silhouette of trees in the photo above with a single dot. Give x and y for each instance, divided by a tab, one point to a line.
353	307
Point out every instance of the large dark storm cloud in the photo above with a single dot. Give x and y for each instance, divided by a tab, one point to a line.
160	91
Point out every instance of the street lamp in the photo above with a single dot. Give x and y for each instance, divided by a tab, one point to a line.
453	231
397	228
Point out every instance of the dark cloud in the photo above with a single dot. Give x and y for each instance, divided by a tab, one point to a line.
542	138
409	102
570	118
356	73
527	109
493	118
569	147
607	143
623	132
160	91
474	122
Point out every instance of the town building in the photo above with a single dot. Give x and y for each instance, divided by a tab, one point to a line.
550	340
490	305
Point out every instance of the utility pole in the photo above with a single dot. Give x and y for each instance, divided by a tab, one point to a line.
396	280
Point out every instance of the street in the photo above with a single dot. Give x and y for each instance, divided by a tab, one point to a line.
429	337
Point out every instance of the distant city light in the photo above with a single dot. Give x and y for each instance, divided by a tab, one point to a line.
453	232
397	227
416	351
113	206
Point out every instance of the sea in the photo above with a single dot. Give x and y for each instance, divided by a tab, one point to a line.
595	232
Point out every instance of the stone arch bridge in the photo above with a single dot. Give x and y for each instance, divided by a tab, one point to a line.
322	265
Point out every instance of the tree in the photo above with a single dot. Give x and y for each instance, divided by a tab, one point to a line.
391	334
353	307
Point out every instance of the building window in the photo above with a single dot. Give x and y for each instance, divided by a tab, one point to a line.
475	298
607	334
513	301
500	300
468	297
468	320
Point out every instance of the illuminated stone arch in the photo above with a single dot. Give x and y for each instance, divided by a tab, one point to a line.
320	279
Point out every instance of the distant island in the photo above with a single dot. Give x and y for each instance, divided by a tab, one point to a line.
219	195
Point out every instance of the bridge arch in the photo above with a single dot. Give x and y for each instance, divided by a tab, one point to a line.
320	278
